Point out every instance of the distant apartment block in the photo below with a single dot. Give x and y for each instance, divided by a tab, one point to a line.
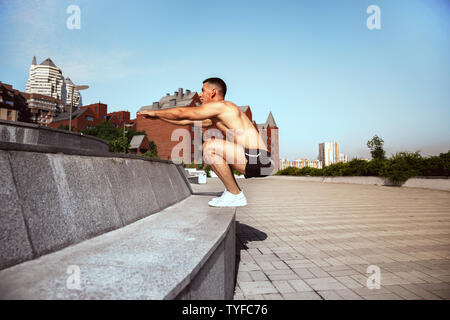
328	153
300	163
343	158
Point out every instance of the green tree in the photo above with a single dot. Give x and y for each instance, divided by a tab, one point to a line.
376	148
120	144
153	152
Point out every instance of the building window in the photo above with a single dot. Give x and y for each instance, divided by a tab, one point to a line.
89	118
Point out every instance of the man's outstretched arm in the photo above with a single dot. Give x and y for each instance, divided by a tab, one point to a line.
205	123
203	112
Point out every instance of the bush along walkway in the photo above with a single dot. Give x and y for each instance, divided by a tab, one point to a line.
399	168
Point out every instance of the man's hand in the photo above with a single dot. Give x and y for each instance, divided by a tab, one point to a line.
148	114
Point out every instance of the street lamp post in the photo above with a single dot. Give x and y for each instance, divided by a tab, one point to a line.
79	88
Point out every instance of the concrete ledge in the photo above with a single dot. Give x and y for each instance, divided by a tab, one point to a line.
186	251
53	200
33	134
436	183
428	183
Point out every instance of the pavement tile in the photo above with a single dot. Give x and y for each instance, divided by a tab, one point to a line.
258	276
348	294
349	282
304	273
286	276
318	272
283	286
383	296
257	287
327	283
444	294
254	297
248	266
329	295
340	273
402	292
243	276
300	285
273	296
280	265
302	296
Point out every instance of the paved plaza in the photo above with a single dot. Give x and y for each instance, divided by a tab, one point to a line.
312	240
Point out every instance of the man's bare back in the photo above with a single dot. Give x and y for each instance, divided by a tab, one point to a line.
231	121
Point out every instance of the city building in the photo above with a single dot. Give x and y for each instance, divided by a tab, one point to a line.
13	104
46	79
300	163
72	93
122	118
343	158
43	108
160	131
269	133
328	153
89	116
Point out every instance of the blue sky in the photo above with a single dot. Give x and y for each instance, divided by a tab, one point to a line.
324	75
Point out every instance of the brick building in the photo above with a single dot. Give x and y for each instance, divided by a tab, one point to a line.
92	115
160	131
269	132
13	104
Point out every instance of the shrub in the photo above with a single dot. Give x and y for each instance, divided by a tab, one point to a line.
373	167
402	166
208	171
437	165
355	167
289	171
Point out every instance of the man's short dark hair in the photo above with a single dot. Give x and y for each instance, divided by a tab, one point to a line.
218	82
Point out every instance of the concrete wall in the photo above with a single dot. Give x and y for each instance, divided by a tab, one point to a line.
52	200
26	133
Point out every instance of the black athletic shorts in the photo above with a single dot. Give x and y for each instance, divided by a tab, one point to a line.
259	163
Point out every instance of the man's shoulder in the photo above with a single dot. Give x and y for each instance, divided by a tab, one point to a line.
222	104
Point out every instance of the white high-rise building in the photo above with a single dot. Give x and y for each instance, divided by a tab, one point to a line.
343	158
46	79
328	153
77	102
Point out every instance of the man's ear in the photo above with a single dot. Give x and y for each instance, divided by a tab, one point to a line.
213	92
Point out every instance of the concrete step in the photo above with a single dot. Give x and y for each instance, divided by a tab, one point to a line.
186	251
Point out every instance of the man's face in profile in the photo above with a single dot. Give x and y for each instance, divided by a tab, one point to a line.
207	93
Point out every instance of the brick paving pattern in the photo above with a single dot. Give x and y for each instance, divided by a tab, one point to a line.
310	240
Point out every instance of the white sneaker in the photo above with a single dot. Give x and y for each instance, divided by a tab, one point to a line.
217	198
229	200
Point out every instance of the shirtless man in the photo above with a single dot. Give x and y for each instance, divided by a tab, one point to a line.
247	152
